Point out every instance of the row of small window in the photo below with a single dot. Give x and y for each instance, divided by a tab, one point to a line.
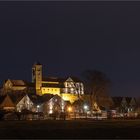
50	89
71	84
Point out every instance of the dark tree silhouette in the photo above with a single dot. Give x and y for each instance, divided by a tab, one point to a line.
97	85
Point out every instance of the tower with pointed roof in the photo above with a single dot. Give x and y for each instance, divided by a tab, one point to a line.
37	77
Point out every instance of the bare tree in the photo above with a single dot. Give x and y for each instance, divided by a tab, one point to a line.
97	85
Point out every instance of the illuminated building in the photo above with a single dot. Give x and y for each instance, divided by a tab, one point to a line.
70	89
6	103
16	103
14	85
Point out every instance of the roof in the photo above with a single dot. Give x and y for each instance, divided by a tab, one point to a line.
21	83
75	79
117	101
128	99
7	102
61	80
2	98
36	99
16	98
40	99
18	82
54	79
137	101
53	85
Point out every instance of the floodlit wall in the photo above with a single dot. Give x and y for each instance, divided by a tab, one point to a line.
50	90
69	97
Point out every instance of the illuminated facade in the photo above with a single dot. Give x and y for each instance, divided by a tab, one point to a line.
70	89
53	94
24	103
14	85
73	85
13	102
54	105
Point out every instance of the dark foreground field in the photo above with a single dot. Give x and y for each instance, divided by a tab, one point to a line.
70	129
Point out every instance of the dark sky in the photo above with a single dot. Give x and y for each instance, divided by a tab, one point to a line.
70	37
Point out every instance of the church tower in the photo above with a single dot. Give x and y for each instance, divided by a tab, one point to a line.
37	77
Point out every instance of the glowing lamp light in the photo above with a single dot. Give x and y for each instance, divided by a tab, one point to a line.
85	107
50	111
69	109
38	106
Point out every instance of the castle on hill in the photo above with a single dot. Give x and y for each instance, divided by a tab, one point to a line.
62	95
70	88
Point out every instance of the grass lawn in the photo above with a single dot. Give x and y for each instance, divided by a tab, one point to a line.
70	129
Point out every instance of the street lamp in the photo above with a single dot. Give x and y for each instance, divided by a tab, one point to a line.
38	106
85	109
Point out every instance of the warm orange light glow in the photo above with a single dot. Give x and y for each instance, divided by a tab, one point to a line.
50	111
69	97
69	109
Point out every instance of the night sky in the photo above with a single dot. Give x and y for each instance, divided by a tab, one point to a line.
70	37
